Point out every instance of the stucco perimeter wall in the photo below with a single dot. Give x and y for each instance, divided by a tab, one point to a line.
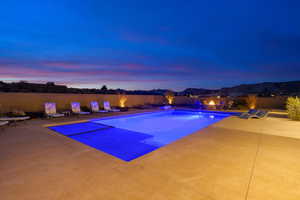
183	100
34	102
278	102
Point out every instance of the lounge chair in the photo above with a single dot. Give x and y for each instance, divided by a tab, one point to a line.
260	115
3	123
50	110
257	114
14	116
246	115
75	106
95	107
107	107
14	119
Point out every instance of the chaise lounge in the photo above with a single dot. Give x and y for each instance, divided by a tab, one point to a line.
260	114
75	106
252	113
95	107
3	123
246	115
15	116
50	110
107	107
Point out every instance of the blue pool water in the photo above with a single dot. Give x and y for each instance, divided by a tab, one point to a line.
131	136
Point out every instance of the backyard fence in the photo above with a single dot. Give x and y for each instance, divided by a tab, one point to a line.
34	102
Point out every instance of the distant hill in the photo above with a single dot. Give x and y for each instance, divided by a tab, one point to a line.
291	88
198	91
51	87
264	89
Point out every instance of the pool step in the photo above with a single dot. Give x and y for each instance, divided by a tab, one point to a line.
91	131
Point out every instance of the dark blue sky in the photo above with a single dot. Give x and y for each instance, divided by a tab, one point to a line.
150	44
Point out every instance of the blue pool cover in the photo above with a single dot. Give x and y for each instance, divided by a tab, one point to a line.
124	144
78	128
129	137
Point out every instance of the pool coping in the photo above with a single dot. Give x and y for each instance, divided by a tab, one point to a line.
69	137
120	115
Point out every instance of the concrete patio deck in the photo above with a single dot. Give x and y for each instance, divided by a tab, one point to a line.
233	159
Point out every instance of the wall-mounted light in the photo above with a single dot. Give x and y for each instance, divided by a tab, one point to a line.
211	103
122	101
170	97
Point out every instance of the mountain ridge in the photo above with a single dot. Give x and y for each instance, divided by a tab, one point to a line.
260	89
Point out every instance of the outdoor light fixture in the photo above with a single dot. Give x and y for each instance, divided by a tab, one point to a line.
211	103
170	97
251	101
122	101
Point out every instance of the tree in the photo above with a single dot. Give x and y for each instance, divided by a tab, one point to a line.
50	84
104	88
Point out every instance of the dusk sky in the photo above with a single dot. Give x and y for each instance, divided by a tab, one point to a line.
150	44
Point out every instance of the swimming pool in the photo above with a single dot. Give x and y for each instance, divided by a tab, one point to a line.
131	136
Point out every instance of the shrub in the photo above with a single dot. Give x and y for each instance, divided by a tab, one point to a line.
293	108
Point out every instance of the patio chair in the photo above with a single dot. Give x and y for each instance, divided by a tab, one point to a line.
11	120
254	114
3	123
246	115
107	107
260	115
75	106
95	107
50	110
14	116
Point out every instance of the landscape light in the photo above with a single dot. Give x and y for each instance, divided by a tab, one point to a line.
122	101
211	103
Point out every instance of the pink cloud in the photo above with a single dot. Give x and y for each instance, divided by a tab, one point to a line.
62	64
77	65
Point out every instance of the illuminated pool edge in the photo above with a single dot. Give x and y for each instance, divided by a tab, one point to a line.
124	146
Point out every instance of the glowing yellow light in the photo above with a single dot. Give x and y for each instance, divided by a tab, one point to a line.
211	103
170	99
122	101
169	95
251	101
